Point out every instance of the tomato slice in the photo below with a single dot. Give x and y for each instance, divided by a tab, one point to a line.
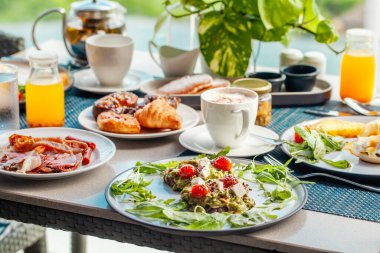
298	138
199	191
19	96
186	171
223	163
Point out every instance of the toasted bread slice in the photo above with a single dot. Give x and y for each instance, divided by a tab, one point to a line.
186	85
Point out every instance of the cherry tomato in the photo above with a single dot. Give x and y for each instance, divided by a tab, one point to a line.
223	163
298	138
229	181
199	191
186	171
19	96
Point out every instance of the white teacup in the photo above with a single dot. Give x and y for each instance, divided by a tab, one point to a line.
228	113
110	57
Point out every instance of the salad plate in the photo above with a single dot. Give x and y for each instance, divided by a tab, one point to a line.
104	151
86	80
207	199
356	167
189	116
198	139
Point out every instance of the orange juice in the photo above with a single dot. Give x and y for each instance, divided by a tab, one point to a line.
357	76
45	105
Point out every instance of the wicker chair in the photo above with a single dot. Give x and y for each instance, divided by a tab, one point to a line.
27	237
10	44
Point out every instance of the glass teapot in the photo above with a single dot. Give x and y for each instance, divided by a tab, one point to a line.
86	18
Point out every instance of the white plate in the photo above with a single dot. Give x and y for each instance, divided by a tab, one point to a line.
190	118
163	191
86	80
199	140
359	168
105	150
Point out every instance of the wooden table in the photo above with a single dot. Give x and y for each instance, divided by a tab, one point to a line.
78	204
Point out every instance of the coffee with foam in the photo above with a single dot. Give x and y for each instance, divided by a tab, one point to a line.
228	98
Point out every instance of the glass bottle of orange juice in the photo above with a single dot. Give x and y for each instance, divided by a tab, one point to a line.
44	93
357	77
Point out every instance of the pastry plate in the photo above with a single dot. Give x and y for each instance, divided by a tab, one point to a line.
359	169
163	191
190	118
199	140
86	80
105	150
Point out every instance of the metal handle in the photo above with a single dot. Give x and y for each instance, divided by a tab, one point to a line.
61	11
367	187
152	44
245	126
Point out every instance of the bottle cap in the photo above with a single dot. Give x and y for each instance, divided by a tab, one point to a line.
359	34
314	56
42	56
292	53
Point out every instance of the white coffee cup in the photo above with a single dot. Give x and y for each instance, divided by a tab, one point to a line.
228	121
110	57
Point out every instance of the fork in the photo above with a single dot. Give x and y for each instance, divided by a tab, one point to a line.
268	139
273	161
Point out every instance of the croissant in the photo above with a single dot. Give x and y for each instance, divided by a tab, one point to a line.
159	114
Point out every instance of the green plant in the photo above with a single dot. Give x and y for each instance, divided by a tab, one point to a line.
226	27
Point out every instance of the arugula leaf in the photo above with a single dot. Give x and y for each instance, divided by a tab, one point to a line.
134	186
340	164
152	168
223	152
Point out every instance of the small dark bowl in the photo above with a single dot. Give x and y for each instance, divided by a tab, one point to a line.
276	79
300	77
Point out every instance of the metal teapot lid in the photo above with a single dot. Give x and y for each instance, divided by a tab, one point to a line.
95	9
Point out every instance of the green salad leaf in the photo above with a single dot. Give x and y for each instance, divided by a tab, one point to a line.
174	214
134	186
153	168
315	146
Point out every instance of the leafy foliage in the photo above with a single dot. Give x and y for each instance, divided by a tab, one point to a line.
227	26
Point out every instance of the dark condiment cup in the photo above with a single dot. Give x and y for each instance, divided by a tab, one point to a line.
300	77
276	79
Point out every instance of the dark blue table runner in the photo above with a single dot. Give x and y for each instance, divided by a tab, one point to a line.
324	196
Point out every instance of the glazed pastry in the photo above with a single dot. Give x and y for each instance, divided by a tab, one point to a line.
116	102
337	127
160	115
371	128
118	123
186	85
173	101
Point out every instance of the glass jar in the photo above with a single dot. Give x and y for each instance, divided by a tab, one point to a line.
44	92
9	107
357	78
264	112
263	89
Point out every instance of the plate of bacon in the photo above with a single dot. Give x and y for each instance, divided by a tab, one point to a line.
52	153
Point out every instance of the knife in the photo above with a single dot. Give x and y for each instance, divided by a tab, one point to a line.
327	113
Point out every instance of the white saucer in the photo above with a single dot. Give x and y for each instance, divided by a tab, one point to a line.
199	140
86	80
